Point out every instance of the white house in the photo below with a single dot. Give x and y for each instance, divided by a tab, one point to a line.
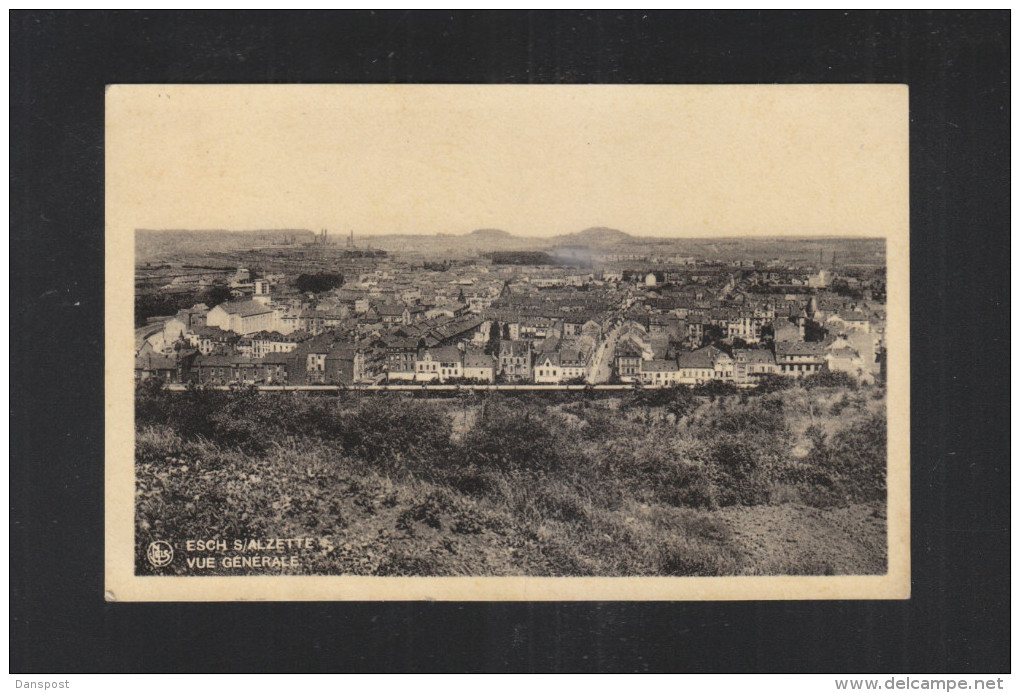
547	367
242	317
480	366
700	366
659	372
440	364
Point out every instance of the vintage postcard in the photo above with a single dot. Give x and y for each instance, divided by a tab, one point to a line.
464	342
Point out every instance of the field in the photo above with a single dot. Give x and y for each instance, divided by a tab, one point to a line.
787	480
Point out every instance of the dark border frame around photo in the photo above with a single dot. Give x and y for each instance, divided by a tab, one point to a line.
957	68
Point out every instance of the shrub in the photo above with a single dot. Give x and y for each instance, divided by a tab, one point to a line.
830	379
429	512
511	438
678	400
156	443
471	479
770	382
743	471
398	434
562	502
715	388
850	465
857	455
839	405
764	417
567	482
658	469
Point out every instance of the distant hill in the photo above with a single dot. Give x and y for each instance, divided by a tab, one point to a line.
598	235
167	245
477	241
490	235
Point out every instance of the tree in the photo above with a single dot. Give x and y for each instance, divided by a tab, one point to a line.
711	334
681	402
511	437
492	347
215	295
159	303
813	332
520	257
773	382
318	282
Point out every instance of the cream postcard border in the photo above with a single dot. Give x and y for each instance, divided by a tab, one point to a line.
122	585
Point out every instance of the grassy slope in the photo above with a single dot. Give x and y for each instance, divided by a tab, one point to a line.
545	523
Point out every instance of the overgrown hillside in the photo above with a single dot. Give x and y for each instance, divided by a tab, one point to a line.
666	482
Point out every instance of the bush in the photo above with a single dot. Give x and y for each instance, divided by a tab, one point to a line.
857	455
747	446
511	438
830	379
763	417
399	435
157	444
850	465
429	512
677	400
770	382
472	479
839	405
715	388
686	484
743	470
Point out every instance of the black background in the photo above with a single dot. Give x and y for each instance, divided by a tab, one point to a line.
957	66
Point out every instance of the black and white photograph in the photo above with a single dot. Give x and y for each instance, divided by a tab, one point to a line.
486	341
565	332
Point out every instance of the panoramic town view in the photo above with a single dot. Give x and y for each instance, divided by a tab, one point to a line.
595	403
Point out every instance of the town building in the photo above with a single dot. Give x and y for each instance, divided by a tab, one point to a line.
750	364
479	366
659	372
439	363
627	359
242	317
798	359
515	360
702	365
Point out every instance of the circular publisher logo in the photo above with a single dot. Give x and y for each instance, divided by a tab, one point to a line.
160	553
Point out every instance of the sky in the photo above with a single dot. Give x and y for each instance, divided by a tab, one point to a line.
663	161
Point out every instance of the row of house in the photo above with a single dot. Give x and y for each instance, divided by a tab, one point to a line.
321	360
554	360
854	355
311	363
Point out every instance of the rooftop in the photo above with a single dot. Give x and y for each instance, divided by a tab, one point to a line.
244	308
